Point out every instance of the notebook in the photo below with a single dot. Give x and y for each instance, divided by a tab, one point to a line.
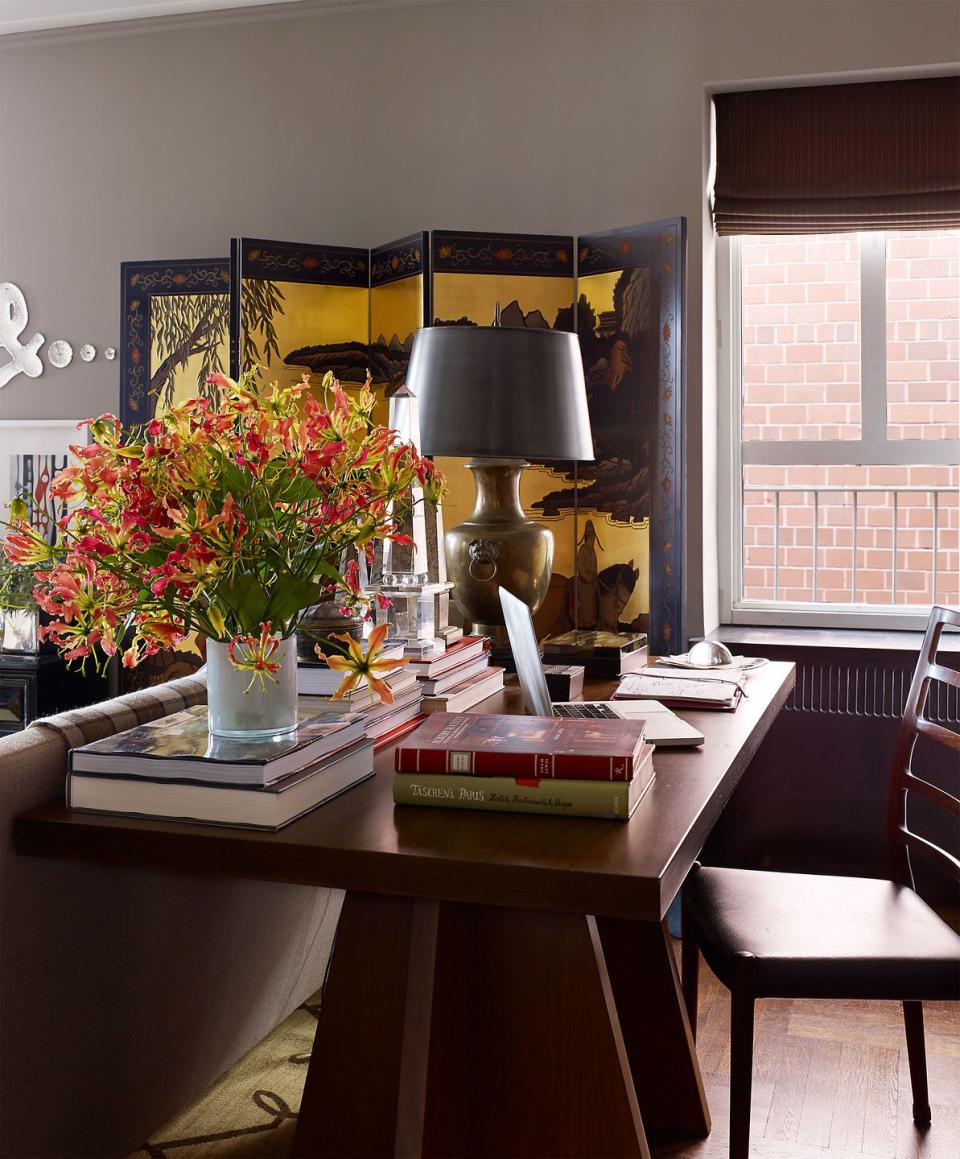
680	692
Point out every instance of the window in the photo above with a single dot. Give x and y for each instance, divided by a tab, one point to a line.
840	426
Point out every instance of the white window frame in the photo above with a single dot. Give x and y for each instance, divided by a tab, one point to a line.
872	449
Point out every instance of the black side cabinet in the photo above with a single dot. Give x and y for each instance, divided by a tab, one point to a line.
38	684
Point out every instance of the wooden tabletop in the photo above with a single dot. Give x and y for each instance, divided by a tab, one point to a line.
361	841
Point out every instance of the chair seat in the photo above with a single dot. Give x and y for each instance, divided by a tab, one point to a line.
798	935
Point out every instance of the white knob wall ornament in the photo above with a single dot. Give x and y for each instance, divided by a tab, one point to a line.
13	320
60	353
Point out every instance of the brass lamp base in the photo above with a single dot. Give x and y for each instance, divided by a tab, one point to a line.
498	544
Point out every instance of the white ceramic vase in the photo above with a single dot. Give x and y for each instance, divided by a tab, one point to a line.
266	710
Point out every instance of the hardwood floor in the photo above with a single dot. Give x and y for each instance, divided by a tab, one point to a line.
830	1079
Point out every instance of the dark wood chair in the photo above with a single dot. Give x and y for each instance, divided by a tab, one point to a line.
791	935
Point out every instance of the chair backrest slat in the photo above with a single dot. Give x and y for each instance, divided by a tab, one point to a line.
946	859
934	793
947	675
903	780
938	732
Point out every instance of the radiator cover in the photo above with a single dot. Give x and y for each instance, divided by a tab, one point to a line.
814	798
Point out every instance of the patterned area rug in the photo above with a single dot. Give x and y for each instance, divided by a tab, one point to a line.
251	1111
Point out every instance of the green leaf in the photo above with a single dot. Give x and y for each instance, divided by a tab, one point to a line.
327	569
245	596
235	481
299	489
290	595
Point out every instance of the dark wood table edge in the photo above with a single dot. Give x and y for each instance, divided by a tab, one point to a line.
50	831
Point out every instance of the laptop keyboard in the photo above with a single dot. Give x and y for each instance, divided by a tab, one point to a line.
585	710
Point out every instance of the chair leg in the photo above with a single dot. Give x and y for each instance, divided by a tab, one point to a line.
741	1072
690	970
917	1057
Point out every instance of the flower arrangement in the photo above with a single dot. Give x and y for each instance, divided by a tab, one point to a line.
225	518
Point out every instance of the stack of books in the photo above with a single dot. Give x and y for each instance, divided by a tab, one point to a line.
554	766
172	769
458	678
316	684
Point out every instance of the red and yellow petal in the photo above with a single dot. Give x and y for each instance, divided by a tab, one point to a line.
376	638
337	663
347	684
386	665
382	690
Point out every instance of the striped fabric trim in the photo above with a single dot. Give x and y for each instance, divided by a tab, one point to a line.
839	158
82	725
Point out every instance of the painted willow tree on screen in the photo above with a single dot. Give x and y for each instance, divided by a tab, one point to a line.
191	338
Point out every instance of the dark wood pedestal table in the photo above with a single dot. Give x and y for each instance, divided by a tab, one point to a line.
500	985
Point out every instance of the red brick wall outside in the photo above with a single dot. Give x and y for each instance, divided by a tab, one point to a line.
801	380
923	335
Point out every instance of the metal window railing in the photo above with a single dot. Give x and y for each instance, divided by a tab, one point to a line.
855	491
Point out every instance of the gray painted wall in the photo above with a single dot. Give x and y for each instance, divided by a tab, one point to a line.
162	139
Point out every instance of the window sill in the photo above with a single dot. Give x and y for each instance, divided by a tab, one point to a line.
830	639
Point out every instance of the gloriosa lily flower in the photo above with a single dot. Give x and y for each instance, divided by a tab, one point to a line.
255	654
359	665
24	544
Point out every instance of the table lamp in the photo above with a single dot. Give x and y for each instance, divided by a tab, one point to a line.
499	395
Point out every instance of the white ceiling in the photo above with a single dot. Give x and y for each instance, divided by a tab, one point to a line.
35	15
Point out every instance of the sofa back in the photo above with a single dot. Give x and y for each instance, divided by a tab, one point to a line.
125	993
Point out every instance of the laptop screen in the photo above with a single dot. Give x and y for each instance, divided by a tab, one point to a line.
526	654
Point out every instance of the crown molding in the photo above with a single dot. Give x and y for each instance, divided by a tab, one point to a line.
146	22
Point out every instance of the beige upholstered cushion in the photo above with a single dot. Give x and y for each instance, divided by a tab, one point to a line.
82	725
125	993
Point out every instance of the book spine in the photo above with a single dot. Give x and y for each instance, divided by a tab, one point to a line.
538	766
508	795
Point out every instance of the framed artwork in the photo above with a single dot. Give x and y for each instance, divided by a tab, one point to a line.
174	326
32	452
399	306
296	307
629	550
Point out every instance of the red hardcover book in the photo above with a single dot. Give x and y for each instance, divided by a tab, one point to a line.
397	733
536	747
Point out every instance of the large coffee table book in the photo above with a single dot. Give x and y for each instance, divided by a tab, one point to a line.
550	765
180	747
491	745
269	806
173	769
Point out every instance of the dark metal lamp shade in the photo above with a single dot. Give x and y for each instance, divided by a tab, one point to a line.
500	392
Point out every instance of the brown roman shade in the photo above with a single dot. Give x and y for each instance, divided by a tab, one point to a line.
884	155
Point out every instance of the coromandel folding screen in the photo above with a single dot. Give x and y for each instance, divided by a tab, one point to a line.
618	521
175	331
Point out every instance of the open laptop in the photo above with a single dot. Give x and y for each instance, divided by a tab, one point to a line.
663	727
